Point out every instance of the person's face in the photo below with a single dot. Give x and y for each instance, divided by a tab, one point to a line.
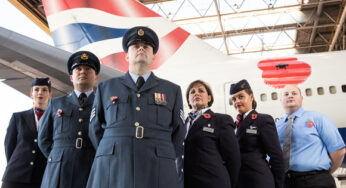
291	99
83	76
140	53
242	101
198	97
40	95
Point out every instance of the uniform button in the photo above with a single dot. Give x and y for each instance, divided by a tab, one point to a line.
138	108
33	151
80	133
138	95
80	109
50	159
182	156
35	140
136	124
183	143
31	163
80	120
182	170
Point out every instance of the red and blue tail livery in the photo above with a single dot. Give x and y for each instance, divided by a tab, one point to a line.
98	26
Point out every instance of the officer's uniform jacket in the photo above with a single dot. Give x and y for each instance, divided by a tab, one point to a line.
258	138
63	139
211	157
138	136
25	162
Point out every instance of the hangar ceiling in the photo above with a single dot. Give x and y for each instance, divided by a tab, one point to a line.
248	27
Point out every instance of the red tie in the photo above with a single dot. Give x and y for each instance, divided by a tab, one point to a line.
239	118
39	112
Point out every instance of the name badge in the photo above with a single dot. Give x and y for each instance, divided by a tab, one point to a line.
208	129
251	131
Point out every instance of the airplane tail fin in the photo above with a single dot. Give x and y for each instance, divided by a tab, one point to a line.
99	26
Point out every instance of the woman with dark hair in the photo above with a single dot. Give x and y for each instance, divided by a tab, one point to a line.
257	139
212	156
25	162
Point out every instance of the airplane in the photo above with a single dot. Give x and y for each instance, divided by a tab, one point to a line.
183	58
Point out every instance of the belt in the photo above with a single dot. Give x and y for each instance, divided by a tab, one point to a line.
293	174
138	132
77	143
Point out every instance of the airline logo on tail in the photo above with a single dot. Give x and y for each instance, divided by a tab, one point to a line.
280	72
98	26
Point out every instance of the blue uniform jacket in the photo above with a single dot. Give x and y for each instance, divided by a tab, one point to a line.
138	136
25	162
212	157
258	138
63	139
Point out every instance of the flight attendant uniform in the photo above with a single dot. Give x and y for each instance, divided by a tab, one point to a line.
211	157
25	161
258	138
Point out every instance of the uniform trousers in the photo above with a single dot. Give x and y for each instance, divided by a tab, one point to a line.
8	184
311	179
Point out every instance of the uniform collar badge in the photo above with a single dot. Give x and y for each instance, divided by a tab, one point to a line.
160	98
254	116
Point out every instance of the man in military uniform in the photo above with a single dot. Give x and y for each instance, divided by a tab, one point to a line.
136	123
63	136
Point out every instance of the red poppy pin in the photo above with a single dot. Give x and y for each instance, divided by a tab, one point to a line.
254	116
310	123
113	99
206	116
59	112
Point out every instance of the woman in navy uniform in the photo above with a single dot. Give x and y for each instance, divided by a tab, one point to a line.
212	157
63	136
25	162
137	123
257	139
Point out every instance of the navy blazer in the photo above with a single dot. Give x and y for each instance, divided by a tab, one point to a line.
212	157
25	162
257	137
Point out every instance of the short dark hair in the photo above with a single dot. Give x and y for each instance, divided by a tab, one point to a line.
207	87
250	92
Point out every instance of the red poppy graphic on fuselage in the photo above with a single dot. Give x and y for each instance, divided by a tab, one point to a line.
282	71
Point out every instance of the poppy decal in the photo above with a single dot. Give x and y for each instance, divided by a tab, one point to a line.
254	116
206	116
113	99
282	71
59	112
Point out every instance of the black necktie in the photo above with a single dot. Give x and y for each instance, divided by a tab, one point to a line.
140	82
81	98
287	142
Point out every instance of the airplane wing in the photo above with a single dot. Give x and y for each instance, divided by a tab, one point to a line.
23	58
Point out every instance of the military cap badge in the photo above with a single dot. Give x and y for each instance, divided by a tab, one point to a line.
84	56
140	32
